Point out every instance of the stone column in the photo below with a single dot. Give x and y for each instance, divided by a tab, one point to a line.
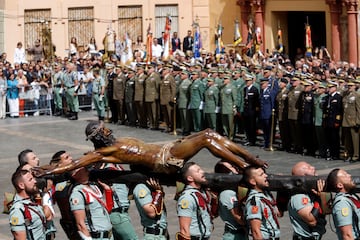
351	7
245	11
335	12
258	7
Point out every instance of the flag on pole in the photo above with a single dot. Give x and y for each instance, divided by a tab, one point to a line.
197	39
248	50
308	41
167	46
149	41
218	39
237	34
280	41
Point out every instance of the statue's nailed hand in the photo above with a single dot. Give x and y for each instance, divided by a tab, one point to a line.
154	184
39	171
261	163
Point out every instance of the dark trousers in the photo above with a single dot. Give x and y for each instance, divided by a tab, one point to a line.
250	128
131	113
284	134
266	126
114	110
141	114
120	109
150	108
321	140
333	136
295	136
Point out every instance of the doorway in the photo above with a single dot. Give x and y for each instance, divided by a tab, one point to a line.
296	30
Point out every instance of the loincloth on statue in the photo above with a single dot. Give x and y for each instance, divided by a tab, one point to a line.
165	159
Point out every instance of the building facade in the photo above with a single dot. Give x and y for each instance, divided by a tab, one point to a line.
334	23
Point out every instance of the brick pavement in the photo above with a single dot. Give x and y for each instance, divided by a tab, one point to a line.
46	135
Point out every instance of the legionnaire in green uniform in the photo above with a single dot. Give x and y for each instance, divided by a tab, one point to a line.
57	83
149	202
71	84
98	94
261	211
231	207
239	84
27	218
193	206
89	208
351	122
307	219
211	100
228	96
345	208
183	92
196	101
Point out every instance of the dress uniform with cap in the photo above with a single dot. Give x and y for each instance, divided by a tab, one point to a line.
139	96
305	106
154	228
282	114
119	94
251	109
267	104
110	78
196	101
211	100
151	96
351	122
228	98
28	217
129	98
319	100
333	110
167	95
294	127
183	94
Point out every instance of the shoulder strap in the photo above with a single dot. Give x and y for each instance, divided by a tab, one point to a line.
87	210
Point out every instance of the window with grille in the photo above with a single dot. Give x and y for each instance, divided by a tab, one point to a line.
35	21
161	11
130	21
81	25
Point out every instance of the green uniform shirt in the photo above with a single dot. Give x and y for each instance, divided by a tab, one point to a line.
69	79
36	226
99	215
98	83
256	209
142	196
183	94
301	228
211	99
189	205
345	212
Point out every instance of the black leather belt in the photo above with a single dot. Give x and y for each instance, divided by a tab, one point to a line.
120	210
272	239
234	231
101	234
295	237
155	231
199	238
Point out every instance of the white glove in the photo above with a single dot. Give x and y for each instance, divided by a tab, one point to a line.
61	90
201	107
217	109
83	237
101	98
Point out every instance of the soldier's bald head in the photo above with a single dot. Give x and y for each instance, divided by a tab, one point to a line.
303	169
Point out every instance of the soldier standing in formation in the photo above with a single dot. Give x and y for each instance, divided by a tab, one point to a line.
251	109
129	98
351	122
282	114
71	83
319	99
151	95
211	100
196	101
119	94
167	94
57	83
98	91
139	96
228	98
183	102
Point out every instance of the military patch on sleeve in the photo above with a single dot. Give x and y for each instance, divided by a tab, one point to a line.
345	211
142	193
184	204
305	200
254	209
75	201
14	220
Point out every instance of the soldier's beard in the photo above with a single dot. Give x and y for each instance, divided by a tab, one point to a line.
350	187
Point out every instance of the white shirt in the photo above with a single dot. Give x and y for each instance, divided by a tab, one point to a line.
19	55
156	50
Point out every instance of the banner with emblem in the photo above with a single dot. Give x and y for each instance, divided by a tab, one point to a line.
308	41
149	41
237	34
280	40
218	39
197	39
167	47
